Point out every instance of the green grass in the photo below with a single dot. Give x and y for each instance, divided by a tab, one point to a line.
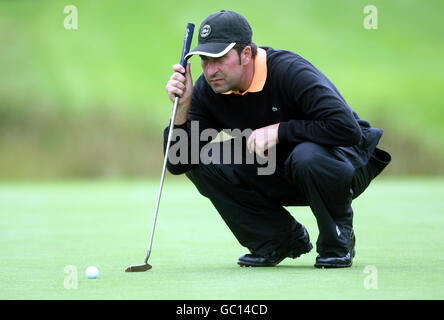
99	92
121	54
45	227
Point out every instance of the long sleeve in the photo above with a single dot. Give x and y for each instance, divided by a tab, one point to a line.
187	140
327	119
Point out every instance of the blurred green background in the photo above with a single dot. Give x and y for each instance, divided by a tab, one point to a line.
91	102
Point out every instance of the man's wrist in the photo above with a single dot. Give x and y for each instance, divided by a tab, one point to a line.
181	118
277	132
179	122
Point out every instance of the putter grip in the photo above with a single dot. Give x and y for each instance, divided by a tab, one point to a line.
187	44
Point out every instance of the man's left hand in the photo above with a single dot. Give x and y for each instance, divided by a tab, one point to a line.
263	139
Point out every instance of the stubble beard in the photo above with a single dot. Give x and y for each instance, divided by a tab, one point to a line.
222	87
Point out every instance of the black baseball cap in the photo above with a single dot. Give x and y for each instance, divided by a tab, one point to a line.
219	32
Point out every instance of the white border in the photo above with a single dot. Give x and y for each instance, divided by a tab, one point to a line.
213	55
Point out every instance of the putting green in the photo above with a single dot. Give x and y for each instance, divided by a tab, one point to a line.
45	228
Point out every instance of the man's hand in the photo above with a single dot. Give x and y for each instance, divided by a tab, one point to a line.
263	139
181	84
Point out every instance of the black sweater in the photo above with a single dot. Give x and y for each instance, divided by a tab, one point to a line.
296	95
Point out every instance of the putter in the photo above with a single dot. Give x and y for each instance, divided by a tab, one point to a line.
185	49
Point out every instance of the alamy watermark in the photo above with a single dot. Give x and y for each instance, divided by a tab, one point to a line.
71	280
371	18
189	150
371	281
71	21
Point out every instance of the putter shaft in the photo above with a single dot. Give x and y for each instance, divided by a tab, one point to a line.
183	61
162	178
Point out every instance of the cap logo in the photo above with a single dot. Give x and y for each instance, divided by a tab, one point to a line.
205	31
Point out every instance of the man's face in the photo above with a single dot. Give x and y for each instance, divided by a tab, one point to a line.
223	74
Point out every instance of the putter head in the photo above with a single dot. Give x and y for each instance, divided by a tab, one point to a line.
139	268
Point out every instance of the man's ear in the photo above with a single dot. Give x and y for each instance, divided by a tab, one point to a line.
246	55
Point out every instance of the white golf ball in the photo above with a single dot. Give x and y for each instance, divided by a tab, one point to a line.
92	272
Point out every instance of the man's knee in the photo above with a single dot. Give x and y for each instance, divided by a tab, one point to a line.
201	176
313	163
304	158
364	175
211	178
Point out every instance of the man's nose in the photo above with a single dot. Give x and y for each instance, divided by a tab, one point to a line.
212	68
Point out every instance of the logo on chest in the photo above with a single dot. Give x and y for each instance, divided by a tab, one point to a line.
274	109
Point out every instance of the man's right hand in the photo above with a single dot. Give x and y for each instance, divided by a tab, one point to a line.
181	84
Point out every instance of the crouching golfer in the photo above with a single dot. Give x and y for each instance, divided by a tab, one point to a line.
323	154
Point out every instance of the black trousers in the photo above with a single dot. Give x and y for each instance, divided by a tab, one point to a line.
307	174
